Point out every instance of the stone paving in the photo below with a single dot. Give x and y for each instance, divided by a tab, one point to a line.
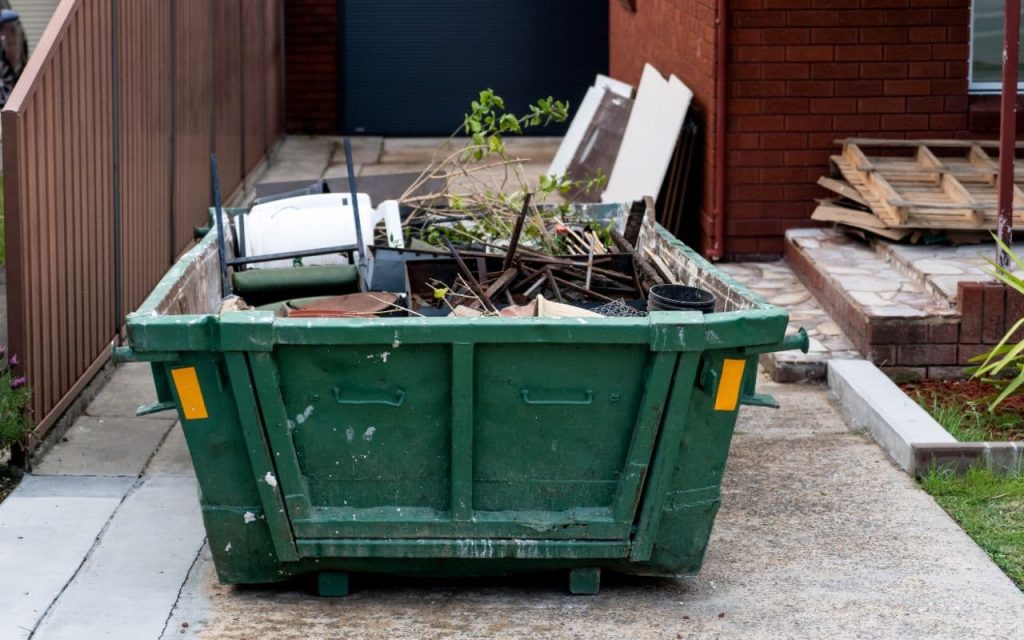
878	285
940	267
778	284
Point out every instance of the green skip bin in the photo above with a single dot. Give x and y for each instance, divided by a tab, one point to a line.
456	446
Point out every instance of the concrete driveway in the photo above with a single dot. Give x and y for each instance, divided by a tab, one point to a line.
819	536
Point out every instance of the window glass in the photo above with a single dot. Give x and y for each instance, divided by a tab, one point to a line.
987	44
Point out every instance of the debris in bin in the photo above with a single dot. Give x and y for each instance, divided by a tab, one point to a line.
619	309
233	303
489	246
540	307
353	305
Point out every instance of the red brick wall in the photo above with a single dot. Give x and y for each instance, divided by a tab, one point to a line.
311	66
676	36
803	73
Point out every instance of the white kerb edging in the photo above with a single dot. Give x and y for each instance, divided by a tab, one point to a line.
869	400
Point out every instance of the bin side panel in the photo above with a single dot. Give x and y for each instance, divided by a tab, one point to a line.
694	494
554	423
370	423
216	443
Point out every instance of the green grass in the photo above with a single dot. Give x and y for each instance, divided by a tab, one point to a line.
971	422
990	508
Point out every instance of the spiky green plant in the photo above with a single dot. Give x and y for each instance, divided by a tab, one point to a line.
1004	364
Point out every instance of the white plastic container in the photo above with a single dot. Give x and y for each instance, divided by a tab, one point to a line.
316	222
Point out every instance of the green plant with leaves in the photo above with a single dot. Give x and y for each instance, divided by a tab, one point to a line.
486	187
1004	364
14	396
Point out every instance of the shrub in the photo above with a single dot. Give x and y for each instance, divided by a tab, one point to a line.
14	395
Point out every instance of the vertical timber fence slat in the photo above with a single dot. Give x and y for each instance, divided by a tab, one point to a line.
106	139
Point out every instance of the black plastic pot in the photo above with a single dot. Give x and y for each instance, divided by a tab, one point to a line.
679	297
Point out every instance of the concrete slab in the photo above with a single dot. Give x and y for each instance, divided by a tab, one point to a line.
873	402
341	171
365	150
105	447
540	149
306	170
383	169
130	387
193	607
304	147
172	458
47	527
819	536
129	584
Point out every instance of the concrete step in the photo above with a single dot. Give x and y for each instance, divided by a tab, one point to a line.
894	319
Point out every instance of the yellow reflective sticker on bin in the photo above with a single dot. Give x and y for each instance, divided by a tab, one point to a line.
729	388
191	396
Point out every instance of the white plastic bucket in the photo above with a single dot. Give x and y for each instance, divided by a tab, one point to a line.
316	222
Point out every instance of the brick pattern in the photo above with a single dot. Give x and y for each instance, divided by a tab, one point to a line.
311	66
677	37
803	73
933	347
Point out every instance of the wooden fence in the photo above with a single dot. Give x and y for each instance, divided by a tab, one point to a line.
106	144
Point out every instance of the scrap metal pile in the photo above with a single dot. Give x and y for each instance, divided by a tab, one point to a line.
916	189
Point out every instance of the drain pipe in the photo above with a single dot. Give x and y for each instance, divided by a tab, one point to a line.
717	250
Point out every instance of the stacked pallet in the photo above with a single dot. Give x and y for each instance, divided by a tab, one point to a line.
916	188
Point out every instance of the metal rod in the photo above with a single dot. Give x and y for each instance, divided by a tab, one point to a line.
467	275
290	255
1008	127
225	279
355	209
513	242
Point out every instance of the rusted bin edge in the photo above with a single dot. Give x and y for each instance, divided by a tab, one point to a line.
456	445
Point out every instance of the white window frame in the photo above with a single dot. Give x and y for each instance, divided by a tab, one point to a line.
983	88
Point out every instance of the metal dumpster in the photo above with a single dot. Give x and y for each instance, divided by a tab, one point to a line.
455	446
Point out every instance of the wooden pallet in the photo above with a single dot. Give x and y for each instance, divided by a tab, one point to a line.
910	187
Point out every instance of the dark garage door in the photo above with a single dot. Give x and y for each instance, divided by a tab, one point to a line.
411	67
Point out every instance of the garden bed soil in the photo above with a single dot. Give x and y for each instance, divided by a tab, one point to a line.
8	481
962	407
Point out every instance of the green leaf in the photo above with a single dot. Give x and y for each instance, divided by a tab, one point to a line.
1010	388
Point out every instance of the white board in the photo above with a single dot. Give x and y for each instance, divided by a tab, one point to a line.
650	138
581	120
623	89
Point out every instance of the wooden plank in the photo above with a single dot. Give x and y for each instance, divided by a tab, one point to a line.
889	234
853	158
927	161
843	188
948	144
956	192
833	213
